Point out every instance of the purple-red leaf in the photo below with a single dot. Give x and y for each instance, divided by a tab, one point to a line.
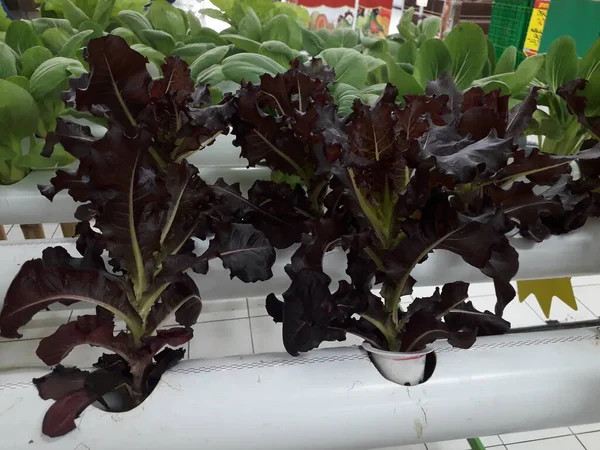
37	286
88	329
126	198
60	417
60	382
578	103
172	336
118	80
245	252
180	298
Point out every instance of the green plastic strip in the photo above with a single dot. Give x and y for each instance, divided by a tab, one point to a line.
475	444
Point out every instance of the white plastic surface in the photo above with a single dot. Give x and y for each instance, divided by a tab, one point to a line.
334	399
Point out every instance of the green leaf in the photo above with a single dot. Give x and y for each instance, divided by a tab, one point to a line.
165	17
216	14
298	13
494	85
406	53
507	61
344	96
406	26
54	39
590	70
433	59
21	36
468	46
431	27
160	40
136	22
4	21
378	49
98	31
325	35
282	28
190	53
126	34
344	37
18	112
278	51
404	82
250	26
208	59
33	58
242	42
548	126
152	54
312	42
249	67
20	81
75	43
194	24
525	73
103	11
205	35
519	80
34	159
375	89
491	56
73	14
562	63
8	62
51	75
42	24
212	75
349	65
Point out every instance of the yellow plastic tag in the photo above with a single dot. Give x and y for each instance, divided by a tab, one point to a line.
545	290
536	27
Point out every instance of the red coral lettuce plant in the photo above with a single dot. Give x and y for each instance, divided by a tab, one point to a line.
146	204
397	181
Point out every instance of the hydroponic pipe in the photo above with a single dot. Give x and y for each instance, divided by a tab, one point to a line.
335	399
577	253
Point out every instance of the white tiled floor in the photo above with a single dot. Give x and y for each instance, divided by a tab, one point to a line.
241	326
591	441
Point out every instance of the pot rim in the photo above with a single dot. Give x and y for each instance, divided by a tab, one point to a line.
385	353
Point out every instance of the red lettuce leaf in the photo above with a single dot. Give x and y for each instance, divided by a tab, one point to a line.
60	382
38	285
60	417
183	299
245	252
118	81
578	103
91	330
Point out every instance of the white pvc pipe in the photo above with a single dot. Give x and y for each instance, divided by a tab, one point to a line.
574	254
22	203
335	399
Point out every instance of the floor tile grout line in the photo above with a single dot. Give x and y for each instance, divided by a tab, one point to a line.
539	439
250	324
586	306
542	318
585	432
579	440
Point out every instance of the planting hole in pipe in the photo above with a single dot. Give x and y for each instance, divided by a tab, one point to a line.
404	368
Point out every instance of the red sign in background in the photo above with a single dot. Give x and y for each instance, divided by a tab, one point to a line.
371	17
